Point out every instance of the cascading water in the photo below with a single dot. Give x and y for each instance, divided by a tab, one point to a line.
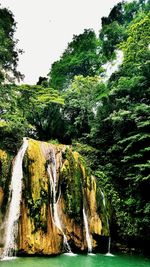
15	199
109	240
52	172
88	239
103	197
104	204
109	244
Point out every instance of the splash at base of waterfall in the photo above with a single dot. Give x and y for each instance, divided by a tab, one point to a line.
7	258
109	244
71	254
109	254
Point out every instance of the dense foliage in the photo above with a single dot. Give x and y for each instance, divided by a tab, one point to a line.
125	119
80	58
107	121
8	51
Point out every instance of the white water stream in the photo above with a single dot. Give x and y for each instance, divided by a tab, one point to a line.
109	244
52	172
88	239
14	207
104	204
103	197
109	240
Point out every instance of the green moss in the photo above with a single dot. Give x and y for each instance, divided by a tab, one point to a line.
5	176
75	178
103	210
35	191
90	160
3	167
89	154
71	177
75	181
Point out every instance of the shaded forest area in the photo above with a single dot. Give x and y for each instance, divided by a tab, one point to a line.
107	119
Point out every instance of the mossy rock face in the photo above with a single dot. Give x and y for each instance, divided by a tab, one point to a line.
75	189
5	174
54	175
75	180
1	196
3	167
36	186
38	233
103	208
80	189
71	176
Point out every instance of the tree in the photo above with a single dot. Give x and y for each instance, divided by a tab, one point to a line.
43	81
32	111
81	104
8	51
42	108
13	124
122	132
80	58
114	26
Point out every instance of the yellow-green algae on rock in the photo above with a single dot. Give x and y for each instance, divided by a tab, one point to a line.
75	190
4	171
5	163
79	190
1	196
37	233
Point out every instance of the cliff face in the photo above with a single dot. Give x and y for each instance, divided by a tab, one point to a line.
37	232
1	196
57	188
3	173
4	170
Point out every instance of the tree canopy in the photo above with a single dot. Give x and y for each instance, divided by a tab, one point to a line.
8	50
80	58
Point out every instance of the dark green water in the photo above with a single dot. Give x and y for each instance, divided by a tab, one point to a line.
79	261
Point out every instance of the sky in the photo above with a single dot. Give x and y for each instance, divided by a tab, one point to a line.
45	27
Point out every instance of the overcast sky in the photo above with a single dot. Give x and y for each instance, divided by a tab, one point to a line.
44	28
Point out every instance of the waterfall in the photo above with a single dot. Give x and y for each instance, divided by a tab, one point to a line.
52	172
109	240
109	244
104	204
103	197
88	239
15	199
